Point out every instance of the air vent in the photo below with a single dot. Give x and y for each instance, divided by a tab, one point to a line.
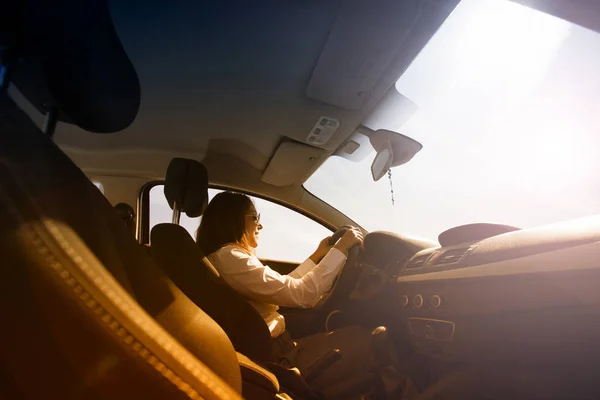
450	256
418	261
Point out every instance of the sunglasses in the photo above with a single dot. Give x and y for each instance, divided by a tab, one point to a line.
255	218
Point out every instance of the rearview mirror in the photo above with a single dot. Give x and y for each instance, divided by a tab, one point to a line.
382	162
393	149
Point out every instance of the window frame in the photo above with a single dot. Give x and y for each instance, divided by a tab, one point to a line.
143	208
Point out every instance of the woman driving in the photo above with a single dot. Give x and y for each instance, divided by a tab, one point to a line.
229	233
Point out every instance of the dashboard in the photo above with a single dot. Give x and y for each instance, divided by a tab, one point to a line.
529	294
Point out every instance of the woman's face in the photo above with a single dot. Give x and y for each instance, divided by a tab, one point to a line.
253	227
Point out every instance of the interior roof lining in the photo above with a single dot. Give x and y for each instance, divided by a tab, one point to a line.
197	109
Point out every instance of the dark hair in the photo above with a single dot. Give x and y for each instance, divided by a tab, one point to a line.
224	221
126	213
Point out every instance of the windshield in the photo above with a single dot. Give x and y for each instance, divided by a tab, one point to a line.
508	117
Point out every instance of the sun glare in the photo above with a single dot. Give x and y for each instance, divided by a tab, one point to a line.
507	101
509	40
487	53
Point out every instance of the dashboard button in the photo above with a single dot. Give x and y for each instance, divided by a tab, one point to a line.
404	300
429	332
418	301
435	301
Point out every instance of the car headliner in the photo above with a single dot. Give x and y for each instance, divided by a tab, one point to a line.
227	82
231	78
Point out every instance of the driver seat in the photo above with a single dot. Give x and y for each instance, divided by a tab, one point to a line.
178	255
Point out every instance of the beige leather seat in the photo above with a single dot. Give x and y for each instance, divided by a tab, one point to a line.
176	253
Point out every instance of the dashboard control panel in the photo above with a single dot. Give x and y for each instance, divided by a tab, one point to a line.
435	301
421	301
432	329
469	301
418	301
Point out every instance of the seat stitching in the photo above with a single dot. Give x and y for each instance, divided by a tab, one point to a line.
104	315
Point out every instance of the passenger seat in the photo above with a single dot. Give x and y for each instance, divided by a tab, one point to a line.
71	326
71	270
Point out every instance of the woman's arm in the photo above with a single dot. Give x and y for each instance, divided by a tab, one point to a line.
247	275
313	260
303	268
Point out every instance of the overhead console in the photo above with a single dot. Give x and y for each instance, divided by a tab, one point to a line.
517	294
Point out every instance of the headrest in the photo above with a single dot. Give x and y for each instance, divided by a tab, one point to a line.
124	211
186	186
71	58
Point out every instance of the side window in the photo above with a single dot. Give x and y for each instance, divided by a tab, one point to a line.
287	235
160	212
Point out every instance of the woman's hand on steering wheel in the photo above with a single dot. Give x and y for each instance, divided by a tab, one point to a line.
351	238
348	240
322	250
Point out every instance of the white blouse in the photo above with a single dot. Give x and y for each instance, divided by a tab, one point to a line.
267	289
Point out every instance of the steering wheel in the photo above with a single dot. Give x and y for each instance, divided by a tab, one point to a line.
346	279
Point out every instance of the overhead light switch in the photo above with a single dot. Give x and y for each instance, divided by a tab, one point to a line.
323	130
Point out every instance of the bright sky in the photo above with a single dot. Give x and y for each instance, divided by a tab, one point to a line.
508	116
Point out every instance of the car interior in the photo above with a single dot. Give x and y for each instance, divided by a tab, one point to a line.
105	104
